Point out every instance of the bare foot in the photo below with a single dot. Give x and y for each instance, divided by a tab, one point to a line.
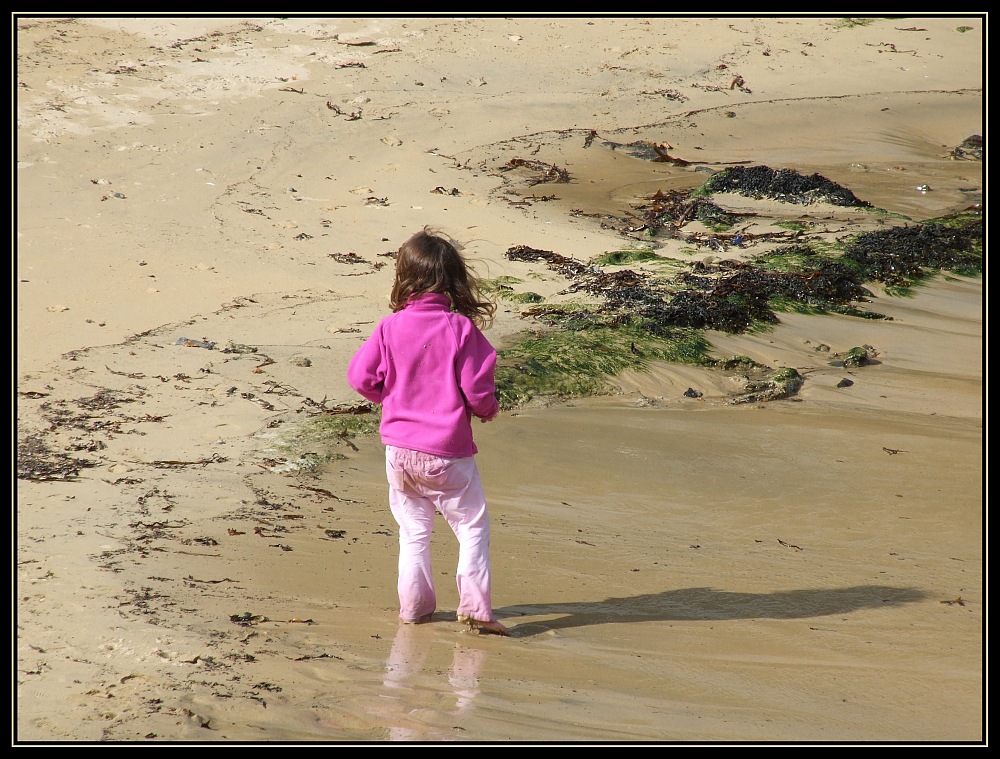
494	628
485	628
422	620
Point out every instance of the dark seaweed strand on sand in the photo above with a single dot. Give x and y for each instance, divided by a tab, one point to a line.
36	461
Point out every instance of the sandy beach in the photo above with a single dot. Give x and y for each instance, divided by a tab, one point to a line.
205	212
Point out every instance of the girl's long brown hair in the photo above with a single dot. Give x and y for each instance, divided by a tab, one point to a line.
428	263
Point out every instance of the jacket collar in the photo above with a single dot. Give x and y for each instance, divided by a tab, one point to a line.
429	302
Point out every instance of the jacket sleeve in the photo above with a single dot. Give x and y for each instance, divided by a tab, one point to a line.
475	366
366	372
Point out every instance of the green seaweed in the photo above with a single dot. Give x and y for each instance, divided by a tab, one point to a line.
503	288
565	363
856	357
793	226
487	285
624	257
717	223
788	258
958	220
852	22
307	445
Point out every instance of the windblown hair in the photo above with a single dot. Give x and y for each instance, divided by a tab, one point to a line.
428	263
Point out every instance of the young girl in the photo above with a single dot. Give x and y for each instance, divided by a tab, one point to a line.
430	367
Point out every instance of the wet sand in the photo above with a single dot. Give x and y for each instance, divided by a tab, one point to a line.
672	569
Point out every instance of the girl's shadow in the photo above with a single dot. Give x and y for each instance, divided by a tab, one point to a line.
708	604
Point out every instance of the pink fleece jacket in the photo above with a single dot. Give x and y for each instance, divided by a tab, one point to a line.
432	371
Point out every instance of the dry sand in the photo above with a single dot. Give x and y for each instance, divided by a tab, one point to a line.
673	569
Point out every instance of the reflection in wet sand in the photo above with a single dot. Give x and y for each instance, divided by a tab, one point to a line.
405	687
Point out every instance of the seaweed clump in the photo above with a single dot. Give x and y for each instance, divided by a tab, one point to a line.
786	185
666	213
677	207
897	257
730	297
